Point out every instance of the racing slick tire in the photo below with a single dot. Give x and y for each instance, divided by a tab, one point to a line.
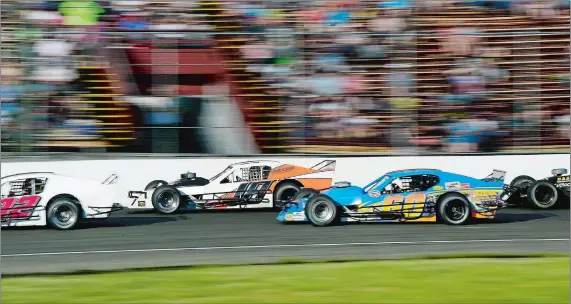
542	195
154	184
166	199
454	209
522	183
321	211
284	193
63	213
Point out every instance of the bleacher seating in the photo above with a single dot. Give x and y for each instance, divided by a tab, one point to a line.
531	51
400	89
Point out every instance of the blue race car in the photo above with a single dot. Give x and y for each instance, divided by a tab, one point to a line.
415	195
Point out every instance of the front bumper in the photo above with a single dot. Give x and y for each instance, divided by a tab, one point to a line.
488	209
293	211
101	212
507	193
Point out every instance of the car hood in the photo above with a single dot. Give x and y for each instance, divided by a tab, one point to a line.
345	196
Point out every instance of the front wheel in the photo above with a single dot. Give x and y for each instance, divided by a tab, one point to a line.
521	183
321	211
542	195
63	214
305	193
454	209
166	199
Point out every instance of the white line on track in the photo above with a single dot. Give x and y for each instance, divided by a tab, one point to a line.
278	246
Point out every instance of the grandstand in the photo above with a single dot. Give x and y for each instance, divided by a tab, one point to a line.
336	76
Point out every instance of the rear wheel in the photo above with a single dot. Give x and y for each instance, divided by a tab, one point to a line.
63	213
542	195
321	211
166	199
454	209
285	193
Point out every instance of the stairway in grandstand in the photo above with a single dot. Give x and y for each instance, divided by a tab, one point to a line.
97	117
101	100
249	89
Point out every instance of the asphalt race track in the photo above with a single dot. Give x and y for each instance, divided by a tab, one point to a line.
145	239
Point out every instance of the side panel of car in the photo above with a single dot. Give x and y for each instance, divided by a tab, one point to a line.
562	183
260	192
412	205
95	198
24	199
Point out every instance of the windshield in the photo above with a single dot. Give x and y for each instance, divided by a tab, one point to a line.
374	185
226	171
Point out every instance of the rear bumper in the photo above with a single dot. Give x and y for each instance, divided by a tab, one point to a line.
140	200
488	209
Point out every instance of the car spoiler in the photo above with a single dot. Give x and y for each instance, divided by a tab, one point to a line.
325	165
496	175
110	180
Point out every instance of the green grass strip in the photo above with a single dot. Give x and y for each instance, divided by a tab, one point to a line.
474	280
281	261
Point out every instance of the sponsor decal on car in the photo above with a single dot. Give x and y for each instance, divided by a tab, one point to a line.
141	203
465	186
279	170
452	185
289	217
438	188
374	193
298	216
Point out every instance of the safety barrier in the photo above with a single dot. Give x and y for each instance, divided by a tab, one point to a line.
135	173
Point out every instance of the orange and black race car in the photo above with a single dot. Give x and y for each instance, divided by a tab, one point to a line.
251	184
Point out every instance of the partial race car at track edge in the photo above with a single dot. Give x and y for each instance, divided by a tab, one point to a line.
250	184
415	195
546	193
61	202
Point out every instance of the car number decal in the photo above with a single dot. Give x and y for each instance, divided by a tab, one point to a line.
19	208
413	204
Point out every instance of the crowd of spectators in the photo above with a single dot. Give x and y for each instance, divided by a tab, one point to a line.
377	74
353	70
40	44
44	46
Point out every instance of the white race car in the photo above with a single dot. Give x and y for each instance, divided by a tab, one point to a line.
250	184
46	198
